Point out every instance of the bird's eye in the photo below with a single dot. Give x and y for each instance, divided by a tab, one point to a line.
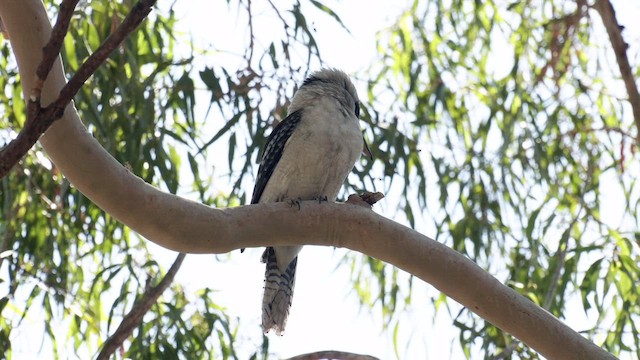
357	109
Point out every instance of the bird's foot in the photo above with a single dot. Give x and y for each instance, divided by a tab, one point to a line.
322	199
295	202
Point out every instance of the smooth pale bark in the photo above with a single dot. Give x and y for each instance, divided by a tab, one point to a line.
190	227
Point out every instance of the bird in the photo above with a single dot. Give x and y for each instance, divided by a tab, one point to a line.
307	156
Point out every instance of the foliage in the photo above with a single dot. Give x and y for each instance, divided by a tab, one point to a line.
494	124
516	120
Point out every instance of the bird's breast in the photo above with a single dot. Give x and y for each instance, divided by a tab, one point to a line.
317	158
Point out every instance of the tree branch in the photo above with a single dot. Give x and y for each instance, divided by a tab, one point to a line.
614	29
52	49
39	119
133	318
138	12
332	355
187	226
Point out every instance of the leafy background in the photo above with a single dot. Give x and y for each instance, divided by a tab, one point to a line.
499	128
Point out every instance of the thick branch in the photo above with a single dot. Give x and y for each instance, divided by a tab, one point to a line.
614	29
187	226
133	318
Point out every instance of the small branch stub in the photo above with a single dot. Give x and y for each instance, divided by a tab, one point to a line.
366	199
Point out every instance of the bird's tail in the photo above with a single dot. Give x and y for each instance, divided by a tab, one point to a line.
278	292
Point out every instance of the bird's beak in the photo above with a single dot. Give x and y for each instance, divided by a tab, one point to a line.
365	149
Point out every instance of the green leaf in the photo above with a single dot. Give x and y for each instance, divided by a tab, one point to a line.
330	12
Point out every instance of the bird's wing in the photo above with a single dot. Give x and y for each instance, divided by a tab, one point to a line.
273	152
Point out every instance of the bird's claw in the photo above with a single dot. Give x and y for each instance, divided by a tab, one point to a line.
295	202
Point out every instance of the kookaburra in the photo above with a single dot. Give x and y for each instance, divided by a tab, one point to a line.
308	156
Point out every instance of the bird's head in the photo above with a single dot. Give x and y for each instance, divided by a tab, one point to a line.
327	82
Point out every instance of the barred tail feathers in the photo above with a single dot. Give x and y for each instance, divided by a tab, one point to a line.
278	292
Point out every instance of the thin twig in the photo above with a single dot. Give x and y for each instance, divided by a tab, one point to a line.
139	12
278	14
51	51
610	129
614	29
251	35
133	318
39	119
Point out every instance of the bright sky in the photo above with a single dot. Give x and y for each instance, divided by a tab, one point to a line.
325	313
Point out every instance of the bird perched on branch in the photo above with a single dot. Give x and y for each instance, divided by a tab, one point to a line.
308	156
